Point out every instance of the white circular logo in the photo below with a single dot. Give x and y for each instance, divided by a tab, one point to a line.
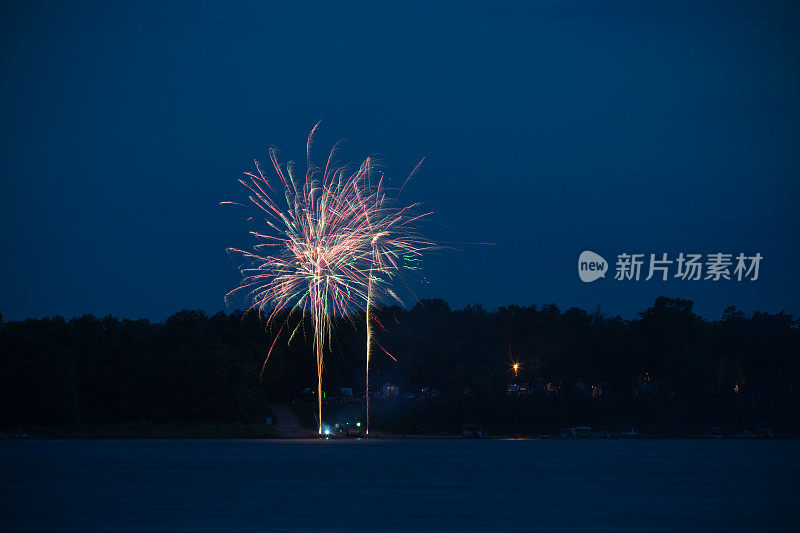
591	266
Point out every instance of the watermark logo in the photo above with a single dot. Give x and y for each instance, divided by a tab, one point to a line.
683	266
591	266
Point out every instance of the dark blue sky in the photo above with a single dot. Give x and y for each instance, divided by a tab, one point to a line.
548	129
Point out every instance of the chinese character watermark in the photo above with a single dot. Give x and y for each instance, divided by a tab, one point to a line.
686	266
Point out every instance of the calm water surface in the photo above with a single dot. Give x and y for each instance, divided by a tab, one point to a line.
398	485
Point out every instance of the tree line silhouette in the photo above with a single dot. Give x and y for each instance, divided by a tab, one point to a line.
669	367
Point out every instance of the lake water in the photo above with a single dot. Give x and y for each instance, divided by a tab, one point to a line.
398	485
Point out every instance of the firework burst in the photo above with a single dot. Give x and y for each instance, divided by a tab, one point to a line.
333	240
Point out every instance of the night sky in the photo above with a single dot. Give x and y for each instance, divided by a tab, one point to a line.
548	129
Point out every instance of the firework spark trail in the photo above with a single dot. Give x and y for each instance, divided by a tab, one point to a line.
394	246
369	347
333	241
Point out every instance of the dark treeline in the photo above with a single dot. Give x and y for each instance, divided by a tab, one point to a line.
194	368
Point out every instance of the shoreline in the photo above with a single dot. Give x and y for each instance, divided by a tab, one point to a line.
262	432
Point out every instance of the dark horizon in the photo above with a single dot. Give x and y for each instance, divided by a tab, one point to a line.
520	370
633	315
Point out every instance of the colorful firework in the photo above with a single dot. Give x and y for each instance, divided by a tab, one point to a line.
395	246
332	244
